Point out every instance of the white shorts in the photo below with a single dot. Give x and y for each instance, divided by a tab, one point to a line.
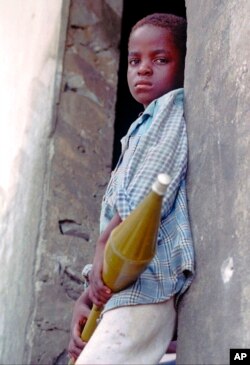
131	335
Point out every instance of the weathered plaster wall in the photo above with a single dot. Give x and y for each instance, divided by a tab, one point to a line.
30	66
79	172
214	315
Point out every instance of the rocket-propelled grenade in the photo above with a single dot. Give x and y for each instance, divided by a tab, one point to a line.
131	246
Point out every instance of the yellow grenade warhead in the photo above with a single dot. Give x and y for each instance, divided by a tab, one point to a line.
131	246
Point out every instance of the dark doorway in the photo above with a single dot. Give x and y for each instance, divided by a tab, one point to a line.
127	109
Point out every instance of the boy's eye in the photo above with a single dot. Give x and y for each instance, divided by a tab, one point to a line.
133	61
161	60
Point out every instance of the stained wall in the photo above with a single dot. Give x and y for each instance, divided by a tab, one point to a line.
80	166
214	316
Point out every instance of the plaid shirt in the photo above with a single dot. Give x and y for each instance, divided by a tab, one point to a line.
155	143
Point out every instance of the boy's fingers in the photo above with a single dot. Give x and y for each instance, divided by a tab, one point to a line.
99	297
102	290
97	301
77	339
73	352
107	290
99	286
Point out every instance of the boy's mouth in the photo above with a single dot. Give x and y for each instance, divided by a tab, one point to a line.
143	86
143	83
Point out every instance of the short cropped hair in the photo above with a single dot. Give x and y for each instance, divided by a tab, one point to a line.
177	25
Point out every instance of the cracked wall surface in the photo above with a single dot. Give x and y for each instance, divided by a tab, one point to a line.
81	156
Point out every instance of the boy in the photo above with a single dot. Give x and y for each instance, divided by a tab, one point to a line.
138	323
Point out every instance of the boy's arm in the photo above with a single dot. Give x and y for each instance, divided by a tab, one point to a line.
98	292
95	290
81	311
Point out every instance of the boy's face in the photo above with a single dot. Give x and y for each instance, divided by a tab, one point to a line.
155	64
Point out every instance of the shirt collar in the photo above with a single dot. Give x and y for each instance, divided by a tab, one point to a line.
143	116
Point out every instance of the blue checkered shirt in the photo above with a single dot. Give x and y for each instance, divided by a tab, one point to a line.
155	143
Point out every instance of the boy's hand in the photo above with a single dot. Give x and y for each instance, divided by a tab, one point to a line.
80	314
99	293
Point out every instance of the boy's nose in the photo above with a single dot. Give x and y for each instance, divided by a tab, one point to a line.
144	69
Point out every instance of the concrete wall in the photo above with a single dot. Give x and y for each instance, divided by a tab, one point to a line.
31	38
214	315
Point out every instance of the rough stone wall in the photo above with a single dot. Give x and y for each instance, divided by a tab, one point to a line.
81	157
214	315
